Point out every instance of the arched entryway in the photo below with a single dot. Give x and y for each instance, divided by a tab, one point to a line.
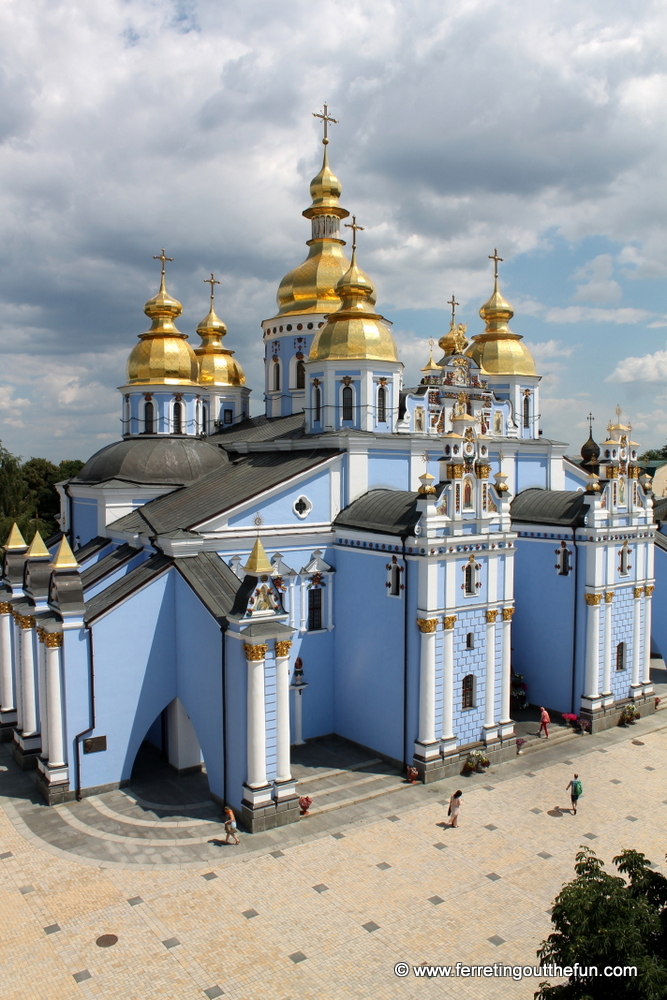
169	768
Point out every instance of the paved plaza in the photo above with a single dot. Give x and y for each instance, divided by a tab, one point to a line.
324	908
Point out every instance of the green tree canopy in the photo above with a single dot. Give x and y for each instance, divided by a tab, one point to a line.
28	495
603	920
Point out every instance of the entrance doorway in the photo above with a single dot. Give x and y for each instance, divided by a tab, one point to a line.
169	769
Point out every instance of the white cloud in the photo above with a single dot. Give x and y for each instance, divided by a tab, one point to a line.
598	285
586	314
649	368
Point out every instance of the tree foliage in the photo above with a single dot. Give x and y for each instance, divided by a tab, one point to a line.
28	495
603	920
654	455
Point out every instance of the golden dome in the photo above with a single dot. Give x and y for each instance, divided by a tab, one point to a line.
217	365
355	331
454	341
311	287
163	354
498	350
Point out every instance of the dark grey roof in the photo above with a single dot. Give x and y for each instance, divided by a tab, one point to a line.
660	509
152	460
661	541
53	540
391	512
122	589
267	628
261	429
221	490
91	548
562	507
214	583
108	564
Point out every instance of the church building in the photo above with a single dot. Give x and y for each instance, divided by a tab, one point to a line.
367	558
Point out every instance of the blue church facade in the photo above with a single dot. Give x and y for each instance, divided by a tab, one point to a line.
367	559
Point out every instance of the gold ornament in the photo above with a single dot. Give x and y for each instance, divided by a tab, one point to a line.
255	653
449	621
283	648
491	616
427	625
53	640
649	590
592	600
507	614
608	596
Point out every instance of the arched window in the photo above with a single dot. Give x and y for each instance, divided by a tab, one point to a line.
470	640
526	411
149	418
382	405
204	411
620	656
564	564
395	579
470	578
468	691
178	417
126	414
198	417
624	563
314	609
300	375
317	399
276	375
348	399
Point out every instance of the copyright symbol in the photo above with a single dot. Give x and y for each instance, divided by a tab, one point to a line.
401	969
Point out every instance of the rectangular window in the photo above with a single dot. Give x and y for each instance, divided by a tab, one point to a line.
227	416
314	610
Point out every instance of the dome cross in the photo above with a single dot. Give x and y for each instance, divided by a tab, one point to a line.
453	303
496	260
163	257
212	282
590	419
355	228
326	120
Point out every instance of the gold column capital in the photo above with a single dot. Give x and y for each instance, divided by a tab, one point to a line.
592	600
455	471
26	621
427	624
608	596
637	591
491	615
254	653
282	648
53	640
507	614
649	590
40	634
5	608
449	621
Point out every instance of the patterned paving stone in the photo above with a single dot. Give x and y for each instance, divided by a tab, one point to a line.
213	992
321	887
383	866
544	854
493	876
52	929
249	914
371	926
171	942
81	977
496	939
436	900
297	957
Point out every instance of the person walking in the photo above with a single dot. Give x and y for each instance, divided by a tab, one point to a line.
454	806
230	825
576	788
544	722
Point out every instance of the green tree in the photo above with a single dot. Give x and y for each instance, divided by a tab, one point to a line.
603	920
654	455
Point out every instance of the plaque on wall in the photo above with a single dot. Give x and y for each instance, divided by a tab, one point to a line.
95	744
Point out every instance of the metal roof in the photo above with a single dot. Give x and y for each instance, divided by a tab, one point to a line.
215	584
260	429
119	591
661	541
152	460
221	490
560	507
107	564
660	509
390	512
91	548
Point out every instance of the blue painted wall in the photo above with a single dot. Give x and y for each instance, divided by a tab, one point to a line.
388	471
278	510
531	472
83	518
659	618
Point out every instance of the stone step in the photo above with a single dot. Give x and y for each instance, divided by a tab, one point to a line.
304	787
355	799
335	772
535	743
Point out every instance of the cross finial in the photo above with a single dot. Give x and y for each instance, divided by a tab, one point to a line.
453	303
496	260
618	412
431	345
212	282
326	120
355	228
427	459
163	257
590	419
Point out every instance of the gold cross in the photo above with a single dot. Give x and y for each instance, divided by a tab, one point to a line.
453	303
496	260
326	119
427	459
431	345
211	281
354	227
618	412
162	256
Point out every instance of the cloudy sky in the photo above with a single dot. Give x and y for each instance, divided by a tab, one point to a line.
130	125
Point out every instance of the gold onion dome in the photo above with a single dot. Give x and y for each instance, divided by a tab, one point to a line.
163	354
217	366
498	350
355	331
311	287
451	342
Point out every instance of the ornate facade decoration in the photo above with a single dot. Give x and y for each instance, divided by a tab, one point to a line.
53	640
254	653
507	614
427	624
282	648
491	615
592	600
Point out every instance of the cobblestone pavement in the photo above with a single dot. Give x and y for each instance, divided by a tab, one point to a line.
324	908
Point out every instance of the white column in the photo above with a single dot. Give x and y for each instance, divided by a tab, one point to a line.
636	635
506	676
18	673
448	679
646	679
256	741
28	679
591	682
490	681
606	663
298	716
282	712
54	697
41	676
7	693
427	681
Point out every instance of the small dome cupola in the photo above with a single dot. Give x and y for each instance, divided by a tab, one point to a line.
355	331
217	365
454	341
163	355
498	350
590	450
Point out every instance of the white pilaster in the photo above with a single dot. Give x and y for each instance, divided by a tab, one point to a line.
7	691
506	673
636	640
490	729
608	698
256	737
646	679
282	712
448	681
54	697
591	679
43	710
28	679
426	736
298	716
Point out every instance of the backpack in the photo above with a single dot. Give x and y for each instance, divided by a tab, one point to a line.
578	788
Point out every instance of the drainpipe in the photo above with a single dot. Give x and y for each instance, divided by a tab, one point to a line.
91	727
223	663
405	654
574	620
